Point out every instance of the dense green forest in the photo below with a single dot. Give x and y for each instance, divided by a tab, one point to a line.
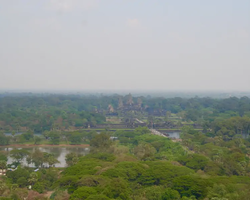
139	166
39	113
211	163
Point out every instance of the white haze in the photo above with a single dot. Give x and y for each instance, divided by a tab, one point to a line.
125	45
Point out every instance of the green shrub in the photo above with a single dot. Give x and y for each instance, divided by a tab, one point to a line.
39	187
98	197
83	193
22	182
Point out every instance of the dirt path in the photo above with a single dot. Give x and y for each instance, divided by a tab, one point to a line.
48	194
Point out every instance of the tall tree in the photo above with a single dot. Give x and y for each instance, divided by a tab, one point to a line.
101	142
19	154
3	164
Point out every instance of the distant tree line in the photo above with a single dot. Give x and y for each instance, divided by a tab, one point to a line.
40	113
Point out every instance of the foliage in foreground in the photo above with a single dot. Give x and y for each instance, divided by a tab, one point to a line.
141	166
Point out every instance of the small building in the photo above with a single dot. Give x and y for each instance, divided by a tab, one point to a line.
2	172
113	138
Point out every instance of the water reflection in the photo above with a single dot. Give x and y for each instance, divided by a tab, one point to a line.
175	135
59	152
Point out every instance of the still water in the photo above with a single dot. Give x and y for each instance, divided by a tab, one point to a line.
59	152
175	135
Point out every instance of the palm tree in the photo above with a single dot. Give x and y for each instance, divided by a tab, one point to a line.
50	159
33	178
13	133
3	164
3	187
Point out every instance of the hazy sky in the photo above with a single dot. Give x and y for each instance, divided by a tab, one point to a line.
125	44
